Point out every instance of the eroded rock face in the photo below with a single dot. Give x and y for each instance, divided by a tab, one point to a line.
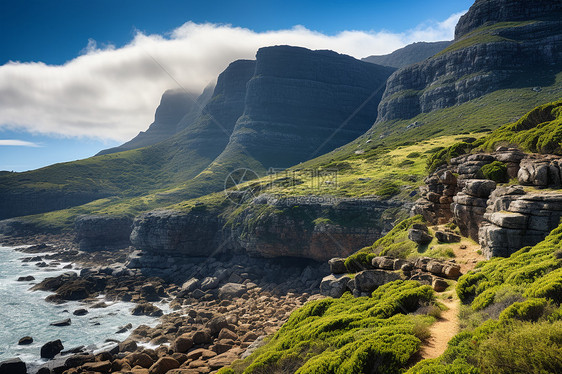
97	232
501	219
268	227
492	11
196	233
298	98
515	219
469	205
478	66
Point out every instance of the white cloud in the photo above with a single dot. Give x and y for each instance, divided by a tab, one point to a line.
15	142
111	93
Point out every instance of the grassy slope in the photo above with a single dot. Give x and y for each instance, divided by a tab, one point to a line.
371	165
347	335
513	320
538	131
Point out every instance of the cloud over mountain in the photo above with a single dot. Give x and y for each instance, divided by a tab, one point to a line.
111	93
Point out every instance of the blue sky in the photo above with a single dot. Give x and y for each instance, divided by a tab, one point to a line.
51	42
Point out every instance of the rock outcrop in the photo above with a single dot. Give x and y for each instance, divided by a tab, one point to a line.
96	232
314	228
501	219
493	11
480	60
515	219
387	269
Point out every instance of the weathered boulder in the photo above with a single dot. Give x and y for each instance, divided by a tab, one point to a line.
368	280
146	309
163	365
231	290
337	265
26	340
61	323
51	349
334	285
419	236
447	237
13	366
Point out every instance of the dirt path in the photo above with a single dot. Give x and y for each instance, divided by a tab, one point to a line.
467	256
443	330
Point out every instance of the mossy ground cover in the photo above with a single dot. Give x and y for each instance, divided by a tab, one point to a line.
512	318
347	335
539	130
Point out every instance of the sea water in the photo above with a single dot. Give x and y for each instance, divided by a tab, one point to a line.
26	313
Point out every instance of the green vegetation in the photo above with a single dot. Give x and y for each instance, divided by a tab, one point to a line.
496	171
513	319
485	34
348	335
540	130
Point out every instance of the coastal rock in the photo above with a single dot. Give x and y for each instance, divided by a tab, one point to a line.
26	340
13	366
51	349
285	228
231	290
146	309
97	367
27	278
62	323
163	365
337	265
97	232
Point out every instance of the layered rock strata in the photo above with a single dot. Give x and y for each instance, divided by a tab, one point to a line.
313	228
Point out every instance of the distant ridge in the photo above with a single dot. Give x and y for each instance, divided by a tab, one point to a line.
409	55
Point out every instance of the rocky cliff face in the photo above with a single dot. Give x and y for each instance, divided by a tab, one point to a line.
268	227
480	60
302	103
174	105
410	54
501	219
492	11
102	232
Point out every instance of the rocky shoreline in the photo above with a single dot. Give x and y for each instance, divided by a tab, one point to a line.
221	309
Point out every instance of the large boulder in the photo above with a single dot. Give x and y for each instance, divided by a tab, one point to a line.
51	349
334	285
231	290
337	265
368	280
13	366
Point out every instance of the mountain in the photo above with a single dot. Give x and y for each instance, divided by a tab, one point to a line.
498	44
134	172
408	55
285	107
177	109
302	103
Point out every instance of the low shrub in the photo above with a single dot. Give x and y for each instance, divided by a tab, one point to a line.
496	171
